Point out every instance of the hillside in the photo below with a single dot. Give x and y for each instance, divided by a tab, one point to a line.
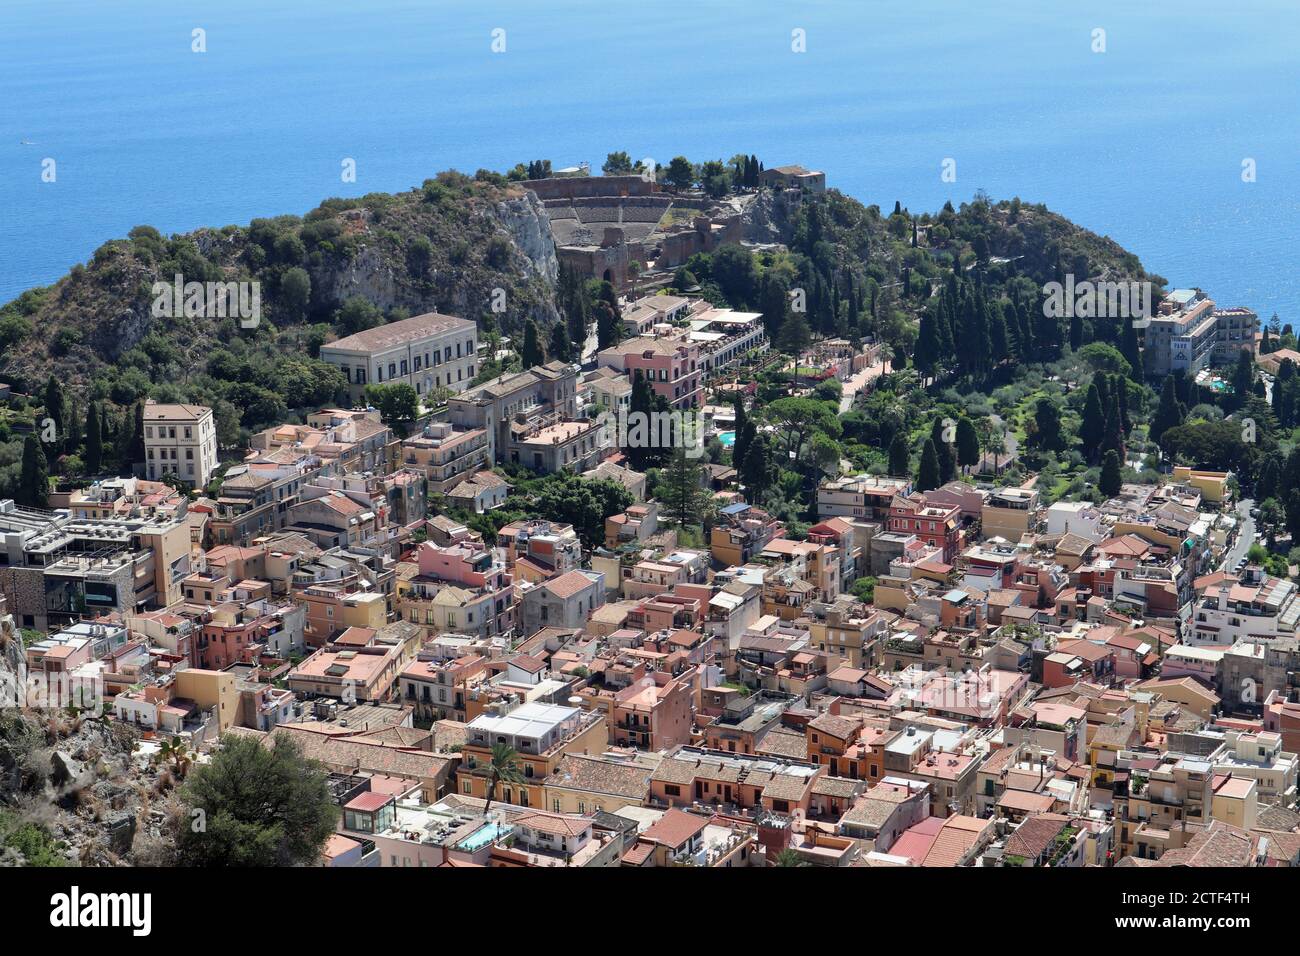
444	247
354	263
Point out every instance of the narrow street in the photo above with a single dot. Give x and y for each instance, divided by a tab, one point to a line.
1245	536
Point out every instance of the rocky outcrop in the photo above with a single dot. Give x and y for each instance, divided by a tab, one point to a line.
525	219
767	218
369	275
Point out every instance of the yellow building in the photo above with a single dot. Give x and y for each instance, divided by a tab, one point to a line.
1009	513
1213	485
1236	801
211	690
586	784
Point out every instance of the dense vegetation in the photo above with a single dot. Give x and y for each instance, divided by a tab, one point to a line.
983	379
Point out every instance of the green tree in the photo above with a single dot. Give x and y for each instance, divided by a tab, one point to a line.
864	589
788	857
968	443
681	490
130	440
617	164
758	470
582	502
799	419
34	480
356	315
1131	351
899	455
398	402
1112	478
681	173
943	450
1169	414
532	355
1047	419
744	430
94	439
1104	358
419	257
253	805
295	293
1092	431
795	335
561	345
927	477
609	327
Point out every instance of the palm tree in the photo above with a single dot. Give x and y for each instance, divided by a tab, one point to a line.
789	857
503	767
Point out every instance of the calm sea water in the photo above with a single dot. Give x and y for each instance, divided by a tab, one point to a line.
1144	142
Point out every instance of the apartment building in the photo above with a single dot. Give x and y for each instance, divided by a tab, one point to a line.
936	525
446	455
440	690
741	532
1009	513
180	440
359	668
860	496
540	734
55	569
564	601
1235	332
512	405
1258	607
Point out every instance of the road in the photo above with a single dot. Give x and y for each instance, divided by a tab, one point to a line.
1245	537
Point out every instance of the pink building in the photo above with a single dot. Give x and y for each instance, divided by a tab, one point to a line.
468	564
672	366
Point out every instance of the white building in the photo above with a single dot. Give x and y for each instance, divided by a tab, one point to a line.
1256	608
427	352
180	440
1076	517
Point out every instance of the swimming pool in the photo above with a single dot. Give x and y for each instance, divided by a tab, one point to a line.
727	438
483	836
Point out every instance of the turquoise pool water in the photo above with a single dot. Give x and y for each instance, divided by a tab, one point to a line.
727	438
483	836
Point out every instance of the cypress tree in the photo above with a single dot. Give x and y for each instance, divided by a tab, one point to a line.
94	439
561	344
944	451
758	469
968	443
532	354
1131	351
742	436
1093	428
34	476
1170	412
899	458
1111	479
927	476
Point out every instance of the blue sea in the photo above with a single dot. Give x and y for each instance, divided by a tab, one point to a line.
1143	142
